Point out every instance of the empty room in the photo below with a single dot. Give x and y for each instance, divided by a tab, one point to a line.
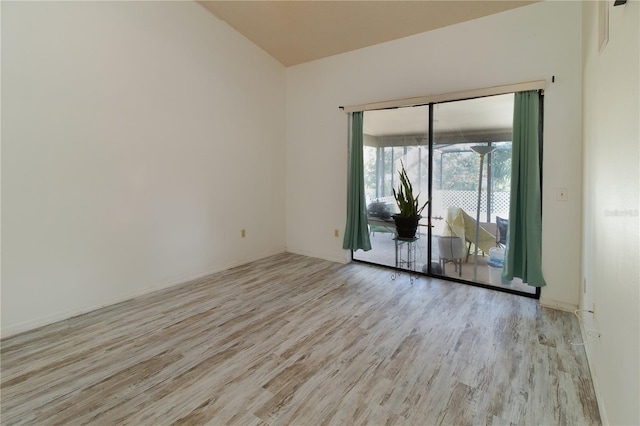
201	206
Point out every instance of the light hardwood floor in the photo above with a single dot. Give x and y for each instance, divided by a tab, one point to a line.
296	340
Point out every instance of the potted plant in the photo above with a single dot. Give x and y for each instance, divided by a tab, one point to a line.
410	209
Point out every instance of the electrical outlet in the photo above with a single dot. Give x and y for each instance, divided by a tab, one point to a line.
243	233
336	233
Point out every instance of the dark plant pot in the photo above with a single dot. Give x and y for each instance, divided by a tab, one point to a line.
406	226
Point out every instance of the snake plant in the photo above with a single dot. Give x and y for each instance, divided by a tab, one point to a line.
407	203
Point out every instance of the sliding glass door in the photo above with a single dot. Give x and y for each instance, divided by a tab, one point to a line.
468	154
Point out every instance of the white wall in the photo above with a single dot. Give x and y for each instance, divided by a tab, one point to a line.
611	255
138	139
529	43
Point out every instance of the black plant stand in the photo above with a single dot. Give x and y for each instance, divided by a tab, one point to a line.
405	257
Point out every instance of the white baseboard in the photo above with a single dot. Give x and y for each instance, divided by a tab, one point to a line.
561	306
330	257
568	307
14	329
32	324
594	375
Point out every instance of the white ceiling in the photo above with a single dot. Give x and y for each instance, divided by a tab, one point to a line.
295	32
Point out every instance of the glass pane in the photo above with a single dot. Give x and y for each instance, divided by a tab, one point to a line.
392	138
471	189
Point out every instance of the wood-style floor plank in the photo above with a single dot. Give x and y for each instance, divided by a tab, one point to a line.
295	340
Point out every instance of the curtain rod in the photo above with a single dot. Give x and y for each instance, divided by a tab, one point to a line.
453	96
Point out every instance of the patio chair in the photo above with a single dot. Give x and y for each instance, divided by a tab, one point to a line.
501	231
464	226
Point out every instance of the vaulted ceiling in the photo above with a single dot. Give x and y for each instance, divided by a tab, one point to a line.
295	32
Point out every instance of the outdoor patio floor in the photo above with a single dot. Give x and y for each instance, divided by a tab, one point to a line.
383	253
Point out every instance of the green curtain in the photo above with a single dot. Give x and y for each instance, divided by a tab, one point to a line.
523	256
356	232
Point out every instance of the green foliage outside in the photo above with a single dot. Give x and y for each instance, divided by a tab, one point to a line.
454	170
459	170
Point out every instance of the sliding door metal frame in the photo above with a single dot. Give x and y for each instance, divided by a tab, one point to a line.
429	272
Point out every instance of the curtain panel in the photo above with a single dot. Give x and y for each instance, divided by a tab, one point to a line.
356	232
523	257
